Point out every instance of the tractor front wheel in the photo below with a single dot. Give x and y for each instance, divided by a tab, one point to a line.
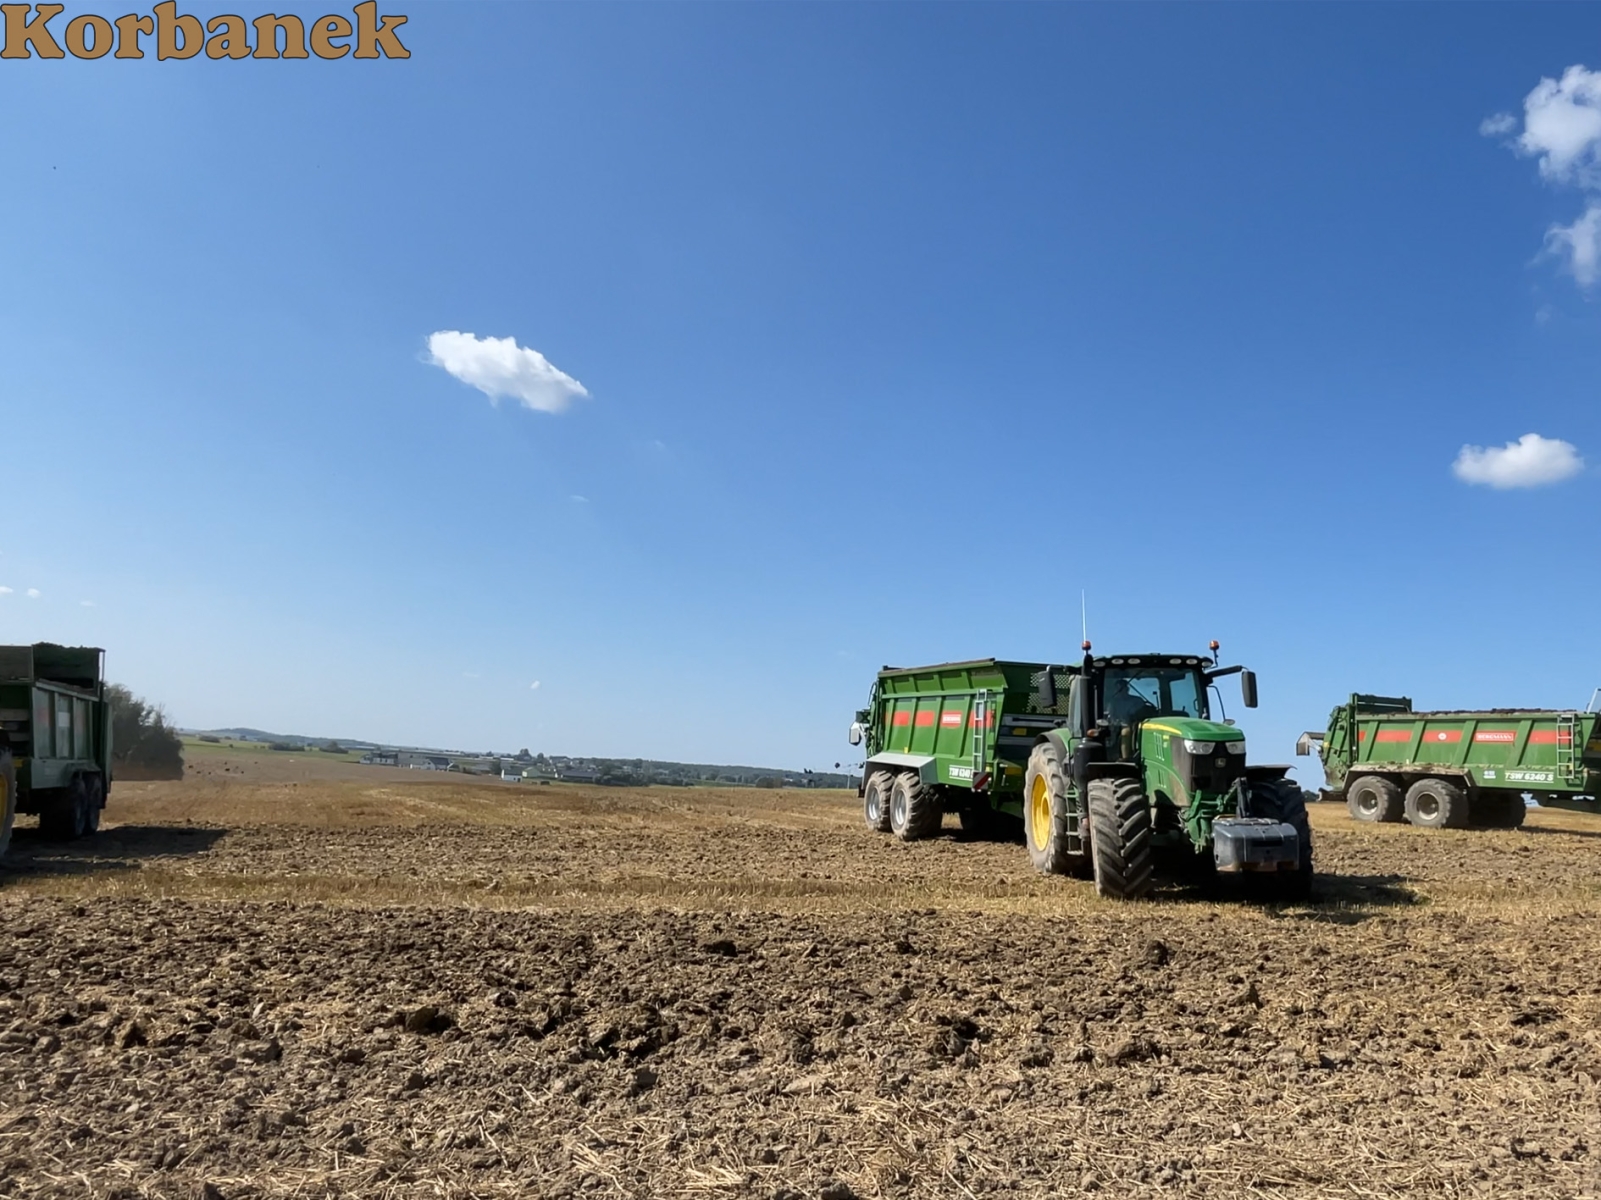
1120	838
1287	804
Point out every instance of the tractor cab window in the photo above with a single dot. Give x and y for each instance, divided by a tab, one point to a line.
1139	693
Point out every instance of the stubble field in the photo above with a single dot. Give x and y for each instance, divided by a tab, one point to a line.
305	978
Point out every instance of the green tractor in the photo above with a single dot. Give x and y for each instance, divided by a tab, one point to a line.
1114	765
1140	775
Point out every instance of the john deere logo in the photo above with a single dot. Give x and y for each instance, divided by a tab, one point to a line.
28	33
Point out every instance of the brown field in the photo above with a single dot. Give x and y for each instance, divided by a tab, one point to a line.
289	976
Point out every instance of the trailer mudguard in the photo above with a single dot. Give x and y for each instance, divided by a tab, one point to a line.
923	764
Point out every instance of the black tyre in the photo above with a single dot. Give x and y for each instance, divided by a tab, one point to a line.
1286	803
875	800
64	816
914	808
8	799
1373	798
1437	804
1050	813
96	797
1495	810
1120	838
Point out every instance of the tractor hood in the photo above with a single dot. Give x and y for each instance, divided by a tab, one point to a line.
1187	729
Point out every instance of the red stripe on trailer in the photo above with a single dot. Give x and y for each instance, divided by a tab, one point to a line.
901	718
989	719
926	717
1393	735
1550	737
1443	735
1496	735
951	718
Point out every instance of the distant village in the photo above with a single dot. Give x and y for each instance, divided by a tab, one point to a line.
525	767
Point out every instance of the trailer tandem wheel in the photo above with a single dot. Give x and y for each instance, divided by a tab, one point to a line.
1120	838
1373	798
914	808
875	800
1436	804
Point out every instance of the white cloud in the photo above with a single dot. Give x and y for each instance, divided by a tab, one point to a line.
33	593
534	686
1531	461
1579	245
1498	125
500	367
87	603
5	591
1562	126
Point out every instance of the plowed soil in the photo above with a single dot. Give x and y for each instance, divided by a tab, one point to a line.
363	983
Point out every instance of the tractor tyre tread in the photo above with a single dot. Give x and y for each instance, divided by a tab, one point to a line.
1120	838
1287	803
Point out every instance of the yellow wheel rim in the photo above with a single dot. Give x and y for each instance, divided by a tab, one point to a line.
1039	804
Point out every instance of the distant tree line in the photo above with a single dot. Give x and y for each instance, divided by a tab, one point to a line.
140	734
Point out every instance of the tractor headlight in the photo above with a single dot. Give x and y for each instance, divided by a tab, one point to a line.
1236	747
1199	747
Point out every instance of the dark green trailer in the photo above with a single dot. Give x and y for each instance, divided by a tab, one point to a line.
55	738
1450	770
1110	764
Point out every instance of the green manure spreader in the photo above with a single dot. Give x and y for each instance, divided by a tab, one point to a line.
1113	765
55	738
1452	770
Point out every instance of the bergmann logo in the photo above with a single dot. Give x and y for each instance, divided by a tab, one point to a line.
179	35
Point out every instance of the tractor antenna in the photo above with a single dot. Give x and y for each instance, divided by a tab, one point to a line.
1084	615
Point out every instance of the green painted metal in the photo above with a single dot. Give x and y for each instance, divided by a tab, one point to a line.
54	717
1552	753
971	726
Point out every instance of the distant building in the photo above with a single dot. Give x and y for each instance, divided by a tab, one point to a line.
381	758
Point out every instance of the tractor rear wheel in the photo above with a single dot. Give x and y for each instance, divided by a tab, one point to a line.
8	799
1373	798
1048	810
1436	804
914	808
1120	838
875	800
1286	803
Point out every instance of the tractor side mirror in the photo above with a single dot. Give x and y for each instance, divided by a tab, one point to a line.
856	733
1248	688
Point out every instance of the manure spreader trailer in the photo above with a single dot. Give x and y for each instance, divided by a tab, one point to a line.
55	738
1113	765
1450	770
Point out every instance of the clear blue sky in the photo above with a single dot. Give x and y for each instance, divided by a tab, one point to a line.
899	325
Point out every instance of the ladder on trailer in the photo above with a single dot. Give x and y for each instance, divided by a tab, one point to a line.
981	706
1569	764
